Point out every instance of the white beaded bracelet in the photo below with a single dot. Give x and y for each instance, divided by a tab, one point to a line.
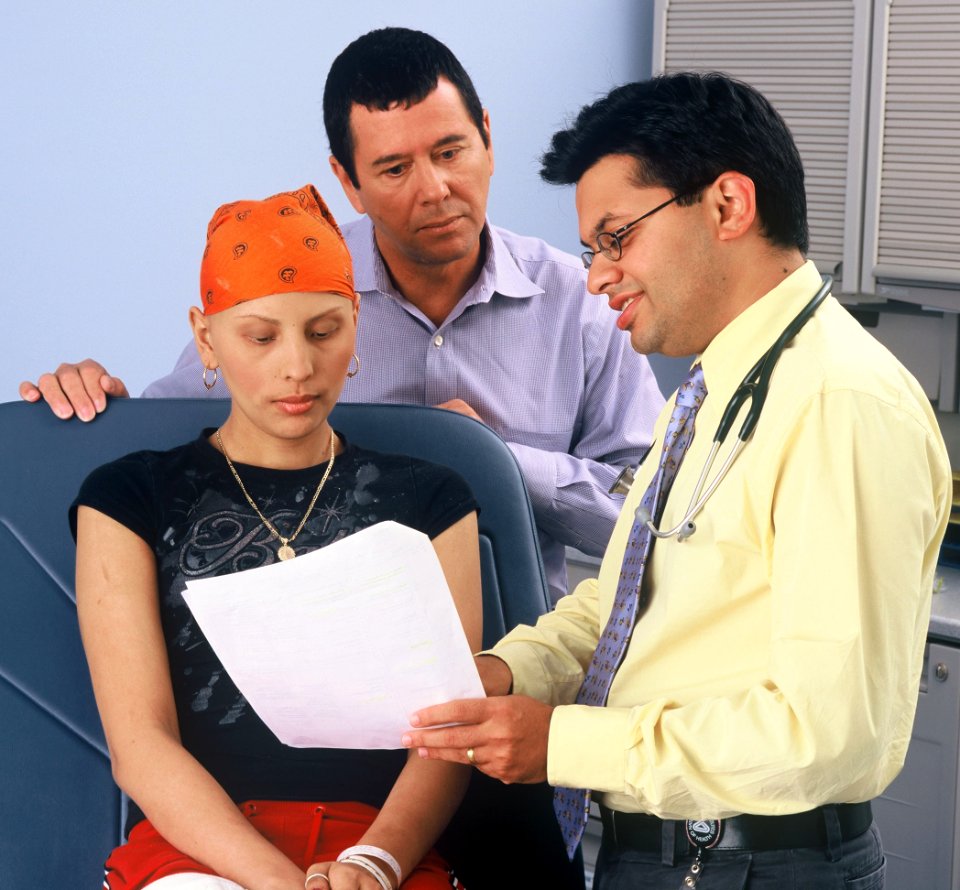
369	866
377	853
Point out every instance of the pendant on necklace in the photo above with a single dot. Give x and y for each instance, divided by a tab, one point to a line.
286	552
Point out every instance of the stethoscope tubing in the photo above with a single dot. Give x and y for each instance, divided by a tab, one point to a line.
753	387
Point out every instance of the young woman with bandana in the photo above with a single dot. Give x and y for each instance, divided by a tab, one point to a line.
217	802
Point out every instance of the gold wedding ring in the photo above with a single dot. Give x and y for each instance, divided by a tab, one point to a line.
470	755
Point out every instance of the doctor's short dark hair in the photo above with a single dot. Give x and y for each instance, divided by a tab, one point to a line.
384	68
684	130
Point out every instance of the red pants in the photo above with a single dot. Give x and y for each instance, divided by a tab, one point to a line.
305	832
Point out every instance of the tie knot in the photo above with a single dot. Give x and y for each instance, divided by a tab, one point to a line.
693	390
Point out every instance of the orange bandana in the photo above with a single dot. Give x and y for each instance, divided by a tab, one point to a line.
286	243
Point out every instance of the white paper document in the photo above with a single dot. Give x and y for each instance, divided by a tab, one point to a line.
336	648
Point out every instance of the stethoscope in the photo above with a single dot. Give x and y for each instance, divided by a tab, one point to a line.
754	388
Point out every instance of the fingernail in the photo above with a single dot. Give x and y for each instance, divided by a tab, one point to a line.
414	719
422	752
406	741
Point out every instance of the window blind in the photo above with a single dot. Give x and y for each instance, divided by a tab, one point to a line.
917	236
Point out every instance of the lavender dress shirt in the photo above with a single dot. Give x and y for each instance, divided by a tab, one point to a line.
532	352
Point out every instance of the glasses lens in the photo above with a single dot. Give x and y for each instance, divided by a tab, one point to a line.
587	257
609	245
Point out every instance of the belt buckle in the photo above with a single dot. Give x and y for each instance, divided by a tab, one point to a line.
704	834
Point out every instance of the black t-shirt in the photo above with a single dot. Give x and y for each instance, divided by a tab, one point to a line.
189	509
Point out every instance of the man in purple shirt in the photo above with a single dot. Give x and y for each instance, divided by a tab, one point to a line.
456	312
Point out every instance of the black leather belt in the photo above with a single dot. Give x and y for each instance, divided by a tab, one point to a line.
638	831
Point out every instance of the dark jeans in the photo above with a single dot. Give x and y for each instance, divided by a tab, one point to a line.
860	867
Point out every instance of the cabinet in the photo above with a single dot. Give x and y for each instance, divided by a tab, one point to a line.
871	91
917	815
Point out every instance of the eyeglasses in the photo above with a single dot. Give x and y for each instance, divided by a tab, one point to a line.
610	243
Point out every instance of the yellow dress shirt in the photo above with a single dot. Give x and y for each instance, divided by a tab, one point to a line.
777	665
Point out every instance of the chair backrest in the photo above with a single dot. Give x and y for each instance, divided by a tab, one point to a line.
63	811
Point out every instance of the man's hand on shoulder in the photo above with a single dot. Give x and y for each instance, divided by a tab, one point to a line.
461	407
80	389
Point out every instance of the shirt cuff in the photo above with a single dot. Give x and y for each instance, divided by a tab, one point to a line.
585	748
539	470
533	677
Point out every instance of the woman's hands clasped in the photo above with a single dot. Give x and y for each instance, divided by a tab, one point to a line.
340	876
362	867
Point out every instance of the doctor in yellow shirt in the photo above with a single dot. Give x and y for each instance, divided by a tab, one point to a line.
769	678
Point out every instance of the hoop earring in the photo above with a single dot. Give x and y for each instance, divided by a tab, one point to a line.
356	370
216	377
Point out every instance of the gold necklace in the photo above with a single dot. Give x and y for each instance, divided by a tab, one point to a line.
286	551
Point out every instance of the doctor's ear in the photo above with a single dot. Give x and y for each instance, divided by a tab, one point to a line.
736	204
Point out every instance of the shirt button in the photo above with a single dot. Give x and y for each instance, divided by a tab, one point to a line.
438	341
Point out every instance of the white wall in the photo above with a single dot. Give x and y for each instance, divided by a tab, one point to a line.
123	125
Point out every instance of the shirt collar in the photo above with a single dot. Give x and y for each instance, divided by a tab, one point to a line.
500	273
737	347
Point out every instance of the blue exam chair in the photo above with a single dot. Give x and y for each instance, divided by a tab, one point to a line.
63	811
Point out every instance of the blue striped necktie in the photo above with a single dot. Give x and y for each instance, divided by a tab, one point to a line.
572	805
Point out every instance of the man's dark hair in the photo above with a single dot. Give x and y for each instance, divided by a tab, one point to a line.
684	130
384	68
